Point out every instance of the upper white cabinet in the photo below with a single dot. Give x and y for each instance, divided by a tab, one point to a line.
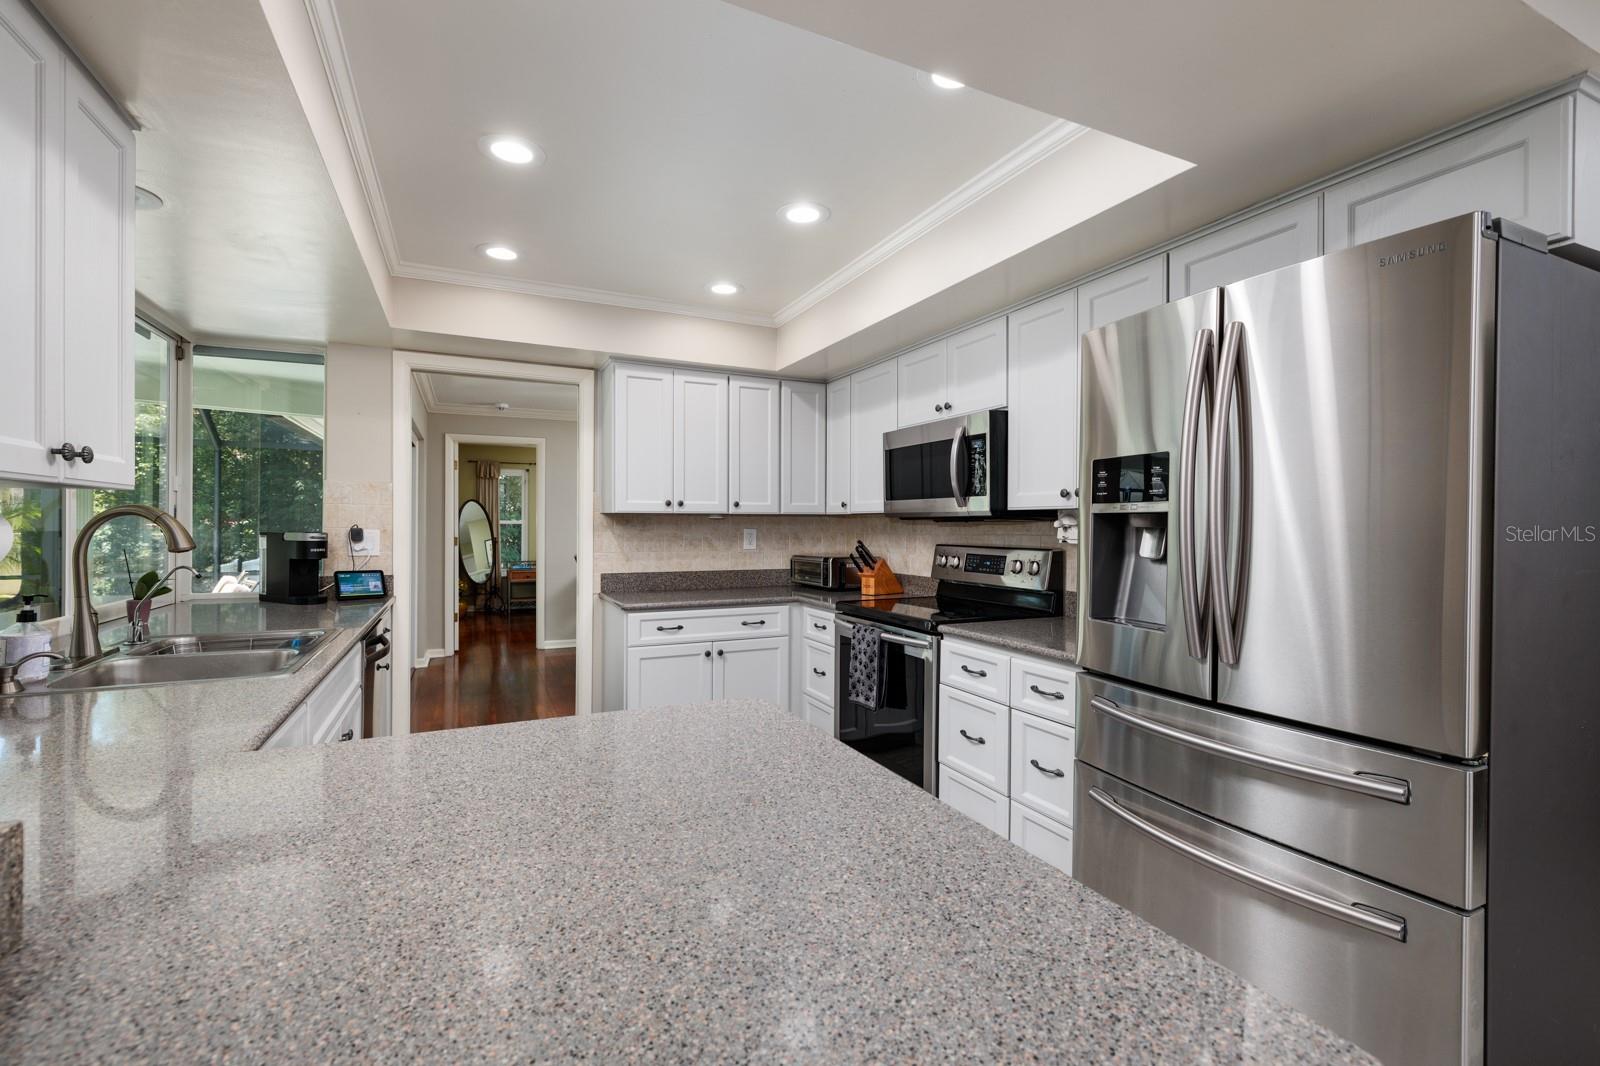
803	451
1278	238
1124	292
753	466
700	443
873	412
838	487
955	376
66	265
637	421
1042	450
1520	168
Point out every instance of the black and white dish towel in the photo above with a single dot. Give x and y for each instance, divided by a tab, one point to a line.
866	666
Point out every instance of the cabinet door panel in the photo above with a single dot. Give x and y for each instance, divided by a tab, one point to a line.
639	433
839	447
1042	453
700	443
1278	238
1137	287
1519	168
803	453
753	670
30	272
97	328
977	368
753	467
872	414
924	383
668	674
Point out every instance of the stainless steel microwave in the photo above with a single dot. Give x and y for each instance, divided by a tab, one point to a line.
952	468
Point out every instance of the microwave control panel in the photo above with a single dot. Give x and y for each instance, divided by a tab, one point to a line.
1132	479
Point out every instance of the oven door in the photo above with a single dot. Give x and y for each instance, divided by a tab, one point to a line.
945	468
901	735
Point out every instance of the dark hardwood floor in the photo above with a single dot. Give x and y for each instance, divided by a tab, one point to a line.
497	675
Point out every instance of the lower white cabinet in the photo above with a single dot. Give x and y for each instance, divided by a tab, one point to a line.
819	714
974	737
1042	837
751	670
816	672
1041	765
983	805
667	657
331	713
668	674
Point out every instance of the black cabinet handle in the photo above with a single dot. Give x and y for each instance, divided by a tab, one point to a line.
71	454
844	503
757	622
680	503
668	629
974	673
969	736
666	503
708	653
348	734
735	505
818	626
1046	770
382	666
719	653
1037	691
819	673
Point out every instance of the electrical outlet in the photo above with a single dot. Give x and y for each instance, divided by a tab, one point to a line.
371	542
749	540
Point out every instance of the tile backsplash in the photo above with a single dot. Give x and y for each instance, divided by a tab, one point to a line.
368	504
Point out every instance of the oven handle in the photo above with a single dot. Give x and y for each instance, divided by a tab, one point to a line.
958	444
1369	918
923	648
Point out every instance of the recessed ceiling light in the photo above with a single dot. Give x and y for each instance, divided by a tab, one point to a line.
723	288
945	81
498	251
509	149
804	213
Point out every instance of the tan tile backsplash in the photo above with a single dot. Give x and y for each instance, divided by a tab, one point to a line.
368	504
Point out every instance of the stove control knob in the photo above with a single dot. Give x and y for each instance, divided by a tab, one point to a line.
1016	566
1033	568
955	561
942	560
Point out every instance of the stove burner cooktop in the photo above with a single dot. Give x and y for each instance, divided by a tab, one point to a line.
926	614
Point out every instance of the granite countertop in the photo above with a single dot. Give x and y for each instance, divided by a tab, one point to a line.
618	886
686	599
1047	638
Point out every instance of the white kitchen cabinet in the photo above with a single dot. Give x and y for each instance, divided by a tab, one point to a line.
1042	371
1520	168
982	804
956	376
667	674
975	738
1043	838
756	669
700	443
819	715
803	447
66	265
873	413
1278	238
838	487
924	376
816	671
1041	765
637	419
1136	287
332	709
753	465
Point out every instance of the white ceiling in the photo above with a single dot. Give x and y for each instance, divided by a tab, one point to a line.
674	130
460	394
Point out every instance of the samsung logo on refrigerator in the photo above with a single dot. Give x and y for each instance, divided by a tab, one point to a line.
1415	253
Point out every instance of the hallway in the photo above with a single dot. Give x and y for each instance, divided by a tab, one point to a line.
496	676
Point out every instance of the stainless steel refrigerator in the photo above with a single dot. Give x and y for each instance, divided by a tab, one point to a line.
1284	619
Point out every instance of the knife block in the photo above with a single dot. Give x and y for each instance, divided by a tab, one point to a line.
880	581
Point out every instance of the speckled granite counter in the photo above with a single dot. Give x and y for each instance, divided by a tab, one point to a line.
621	886
1047	638
685	599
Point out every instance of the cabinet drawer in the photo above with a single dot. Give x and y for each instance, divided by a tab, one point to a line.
344	724
1041	837
983	805
974	737
816	678
1041	765
817	624
971	668
330	700
675	627
1044	688
819	714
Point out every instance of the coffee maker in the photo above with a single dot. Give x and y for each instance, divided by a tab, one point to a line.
291	567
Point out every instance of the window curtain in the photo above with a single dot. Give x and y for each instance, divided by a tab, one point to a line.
489	496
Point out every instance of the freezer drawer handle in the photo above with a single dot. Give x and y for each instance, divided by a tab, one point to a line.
1357	914
1046	770
1037	691
1379	787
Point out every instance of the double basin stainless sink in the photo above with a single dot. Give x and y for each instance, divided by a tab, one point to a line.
197	657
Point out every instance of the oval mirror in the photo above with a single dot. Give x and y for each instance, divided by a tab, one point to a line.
477	541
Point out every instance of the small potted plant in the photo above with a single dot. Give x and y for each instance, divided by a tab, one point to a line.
145	591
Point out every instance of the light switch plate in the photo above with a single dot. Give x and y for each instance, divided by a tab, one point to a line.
371	542
749	540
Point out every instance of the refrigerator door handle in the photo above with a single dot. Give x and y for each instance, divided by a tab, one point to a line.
1194	579
958	445
1228	602
1377	786
1368	918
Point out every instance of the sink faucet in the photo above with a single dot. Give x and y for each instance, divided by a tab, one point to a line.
85	645
139	628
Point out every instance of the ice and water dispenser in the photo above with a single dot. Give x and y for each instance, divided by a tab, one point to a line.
1128	568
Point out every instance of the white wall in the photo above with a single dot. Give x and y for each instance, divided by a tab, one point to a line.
357	479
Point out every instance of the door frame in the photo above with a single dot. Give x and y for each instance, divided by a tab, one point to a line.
452	460
406	580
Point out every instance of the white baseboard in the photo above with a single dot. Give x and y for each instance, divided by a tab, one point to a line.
559	645
428	656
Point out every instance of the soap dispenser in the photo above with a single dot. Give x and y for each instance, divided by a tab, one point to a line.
24	638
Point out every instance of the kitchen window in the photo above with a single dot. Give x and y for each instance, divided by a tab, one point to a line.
513	517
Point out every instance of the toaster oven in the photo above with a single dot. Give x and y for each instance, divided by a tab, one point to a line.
822	572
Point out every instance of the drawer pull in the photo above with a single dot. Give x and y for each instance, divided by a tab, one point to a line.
975	740
1037	691
1357	914
818	626
757	622
1368	784
975	673
1046	770
348	734
819	673
668	629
